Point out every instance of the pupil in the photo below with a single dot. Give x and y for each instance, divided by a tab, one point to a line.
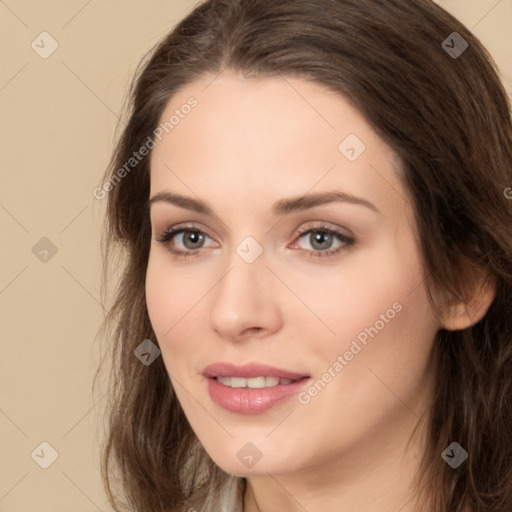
318	238
193	235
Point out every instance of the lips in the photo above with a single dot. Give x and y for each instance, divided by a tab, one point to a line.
251	388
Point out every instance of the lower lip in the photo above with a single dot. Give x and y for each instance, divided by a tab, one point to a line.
252	401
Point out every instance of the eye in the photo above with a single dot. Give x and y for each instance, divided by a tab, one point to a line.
321	238
190	237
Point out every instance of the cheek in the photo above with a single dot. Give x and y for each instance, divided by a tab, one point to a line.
387	342
170	291
352	297
383	322
393	366
163	302
375	377
173	296
160	298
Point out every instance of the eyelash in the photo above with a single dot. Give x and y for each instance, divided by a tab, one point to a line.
167	236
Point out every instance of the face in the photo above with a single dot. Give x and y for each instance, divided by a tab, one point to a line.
292	264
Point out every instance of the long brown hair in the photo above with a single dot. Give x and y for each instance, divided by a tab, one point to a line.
446	116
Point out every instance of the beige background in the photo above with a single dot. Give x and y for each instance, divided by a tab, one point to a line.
58	122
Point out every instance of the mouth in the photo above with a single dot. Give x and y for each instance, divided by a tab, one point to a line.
254	382
251	388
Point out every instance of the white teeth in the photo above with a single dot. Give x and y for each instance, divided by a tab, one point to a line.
253	382
238	382
256	382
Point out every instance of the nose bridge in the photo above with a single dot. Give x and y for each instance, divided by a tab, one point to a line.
243	298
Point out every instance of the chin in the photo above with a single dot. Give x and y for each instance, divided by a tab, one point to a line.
247	462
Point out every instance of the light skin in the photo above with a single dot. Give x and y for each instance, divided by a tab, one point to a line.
248	144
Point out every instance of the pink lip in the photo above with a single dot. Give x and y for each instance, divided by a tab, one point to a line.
250	401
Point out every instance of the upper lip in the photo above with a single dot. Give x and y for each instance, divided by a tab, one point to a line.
249	370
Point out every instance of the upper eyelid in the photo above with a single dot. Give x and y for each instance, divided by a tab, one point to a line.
315	224
186	227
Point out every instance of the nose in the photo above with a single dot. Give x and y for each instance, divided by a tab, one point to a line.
245	303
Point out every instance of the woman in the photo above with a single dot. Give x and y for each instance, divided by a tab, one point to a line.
312	198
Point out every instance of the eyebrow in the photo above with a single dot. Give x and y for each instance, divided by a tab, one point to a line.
281	207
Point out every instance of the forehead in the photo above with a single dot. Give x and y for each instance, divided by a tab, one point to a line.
269	138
